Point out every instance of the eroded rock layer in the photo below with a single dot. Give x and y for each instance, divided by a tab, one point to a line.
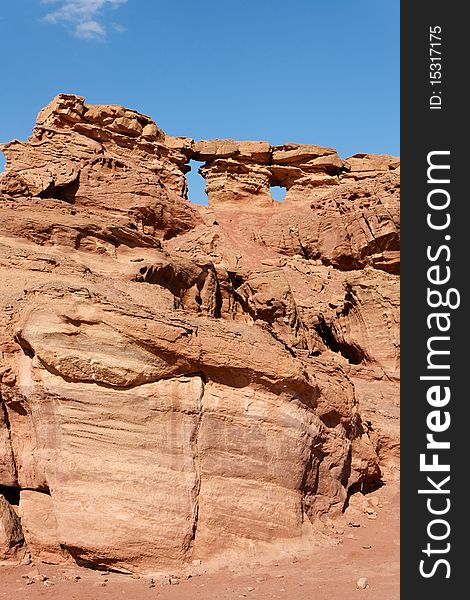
178	380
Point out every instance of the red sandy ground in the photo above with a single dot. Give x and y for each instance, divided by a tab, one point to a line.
329	573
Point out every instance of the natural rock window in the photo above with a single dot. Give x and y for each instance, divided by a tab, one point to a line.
196	183
278	193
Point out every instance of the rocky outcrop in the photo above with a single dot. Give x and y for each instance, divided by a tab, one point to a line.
180	380
104	159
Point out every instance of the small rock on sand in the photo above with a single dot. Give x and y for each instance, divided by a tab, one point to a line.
362	583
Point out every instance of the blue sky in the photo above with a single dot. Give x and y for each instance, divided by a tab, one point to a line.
310	71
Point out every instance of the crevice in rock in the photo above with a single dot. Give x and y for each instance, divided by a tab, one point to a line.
343	263
236	279
282	342
266	323
351	353
331	419
305	254
17	406
179	282
388	241
13	543
364	487
370	231
347	470
196	462
95	564
6	420
303	486
11	494
310	479
66	192
165	276
25	346
218	299
40	490
367	484
349	300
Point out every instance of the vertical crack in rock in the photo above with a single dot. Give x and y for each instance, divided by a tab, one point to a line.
218	299
279	340
309	484
197	462
6	420
371	231
345	478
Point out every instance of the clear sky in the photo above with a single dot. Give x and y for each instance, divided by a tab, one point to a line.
309	71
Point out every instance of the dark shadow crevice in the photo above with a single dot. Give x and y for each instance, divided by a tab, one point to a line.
353	354
11	494
65	193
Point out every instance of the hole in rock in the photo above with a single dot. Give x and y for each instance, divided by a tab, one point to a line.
3	162
196	184
66	192
11	494
278	193
331	419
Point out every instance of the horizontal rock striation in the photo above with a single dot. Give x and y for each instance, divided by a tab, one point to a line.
179	380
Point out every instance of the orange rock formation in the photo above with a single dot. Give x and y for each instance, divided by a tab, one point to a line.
176	379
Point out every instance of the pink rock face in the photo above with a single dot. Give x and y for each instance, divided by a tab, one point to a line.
39	526
178	381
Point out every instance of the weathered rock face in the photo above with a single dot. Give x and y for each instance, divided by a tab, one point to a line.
178	380
11	535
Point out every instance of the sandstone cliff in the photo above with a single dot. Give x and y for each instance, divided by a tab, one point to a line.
178	380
